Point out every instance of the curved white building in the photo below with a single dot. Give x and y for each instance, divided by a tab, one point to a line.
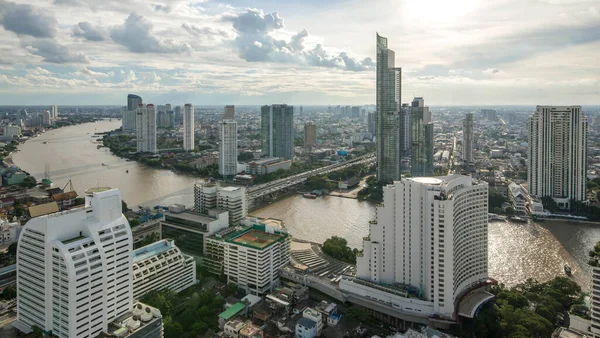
74	268
188	127
159	266
427	248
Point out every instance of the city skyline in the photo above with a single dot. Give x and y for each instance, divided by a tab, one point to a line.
213	52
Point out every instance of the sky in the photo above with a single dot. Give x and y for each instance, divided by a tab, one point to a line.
213	52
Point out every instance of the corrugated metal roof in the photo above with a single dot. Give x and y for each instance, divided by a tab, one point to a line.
43	209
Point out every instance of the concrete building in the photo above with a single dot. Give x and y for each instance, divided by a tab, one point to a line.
53	111
228	143
46	118
74	271
267	165
372	123
519	198
310	135
558	154
316	317
422	139
160	266
389	79
427	251
188	127
145	128
208	196
190	229
12	131
595	299
277	131
468	138
128	119
249	256
142	321
133	102
9	232
306	328
405	130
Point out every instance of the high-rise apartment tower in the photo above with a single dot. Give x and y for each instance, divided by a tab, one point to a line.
277	131
188	127
228	143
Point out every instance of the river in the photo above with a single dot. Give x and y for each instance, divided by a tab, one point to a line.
516	251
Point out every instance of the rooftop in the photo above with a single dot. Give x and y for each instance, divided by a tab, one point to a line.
74	239
306	322
151	250
257	239
232	311
97	189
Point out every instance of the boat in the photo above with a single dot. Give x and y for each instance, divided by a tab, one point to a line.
127	171
494	217
518	219
567	269
45	142
309	195
103	164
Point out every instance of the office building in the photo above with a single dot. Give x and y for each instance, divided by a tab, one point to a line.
128	119
228	143
558	154
422	139
594	327
133	102
160	266
53	111
168	107
277	131
233	199
405	131
12	131
355	112
310	135
388	108
267	165
74	271
46	118
427	250
190	229
250	257
145	128
372	123
205	197
171	118
468	139
188	127
142	321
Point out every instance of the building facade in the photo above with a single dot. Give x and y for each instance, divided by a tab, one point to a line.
595	301
53	111
160	266
422	139
389	79
228	143
267	165
372	123
405	130
133	102
250	257
128	119
277	131
427	247
310	135
208	196
188	127
468	139
145	128
558	154
74	271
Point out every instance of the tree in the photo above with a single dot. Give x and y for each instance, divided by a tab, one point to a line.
80	201
12	249
37	332
124	207
495	199
549	204
510	211
245	156
29	182
149	239
337	247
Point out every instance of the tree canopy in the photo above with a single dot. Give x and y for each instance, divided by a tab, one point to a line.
337	247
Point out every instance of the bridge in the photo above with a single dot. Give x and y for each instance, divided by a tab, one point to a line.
262	190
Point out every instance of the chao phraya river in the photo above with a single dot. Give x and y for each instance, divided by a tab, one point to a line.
516	251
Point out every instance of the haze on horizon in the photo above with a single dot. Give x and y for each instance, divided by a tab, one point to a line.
213	52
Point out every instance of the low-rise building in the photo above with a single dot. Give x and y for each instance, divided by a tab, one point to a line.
267	166
205	161
314	316
518	197
306	328
190	229
142	322
249	256
65	200
160	266
12	131
9	232
233	327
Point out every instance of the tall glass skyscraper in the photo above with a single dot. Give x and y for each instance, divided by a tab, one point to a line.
421	159
277	131
388	108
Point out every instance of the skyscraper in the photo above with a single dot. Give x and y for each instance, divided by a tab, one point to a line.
421	159
53	111
228	143
405	130
388	107
133	102
208	196
188	127
468	138
47	118
277	131
355	112
558	154
145	128
372	123
74	272
310	135
427	248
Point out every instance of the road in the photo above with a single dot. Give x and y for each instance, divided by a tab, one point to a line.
267	188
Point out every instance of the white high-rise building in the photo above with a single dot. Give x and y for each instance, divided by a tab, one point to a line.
53	111
228	143
427	249
558	154
159	266
145	128
46	118
188	127
74	271
468	138
208	196
128	119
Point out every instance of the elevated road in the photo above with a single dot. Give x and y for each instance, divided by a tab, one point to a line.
261	190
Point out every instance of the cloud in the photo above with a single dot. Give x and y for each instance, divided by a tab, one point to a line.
254	43
136	35
51	51
162	8
492	71
204	31
39	71
26	20
67	2
87	31
88	72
